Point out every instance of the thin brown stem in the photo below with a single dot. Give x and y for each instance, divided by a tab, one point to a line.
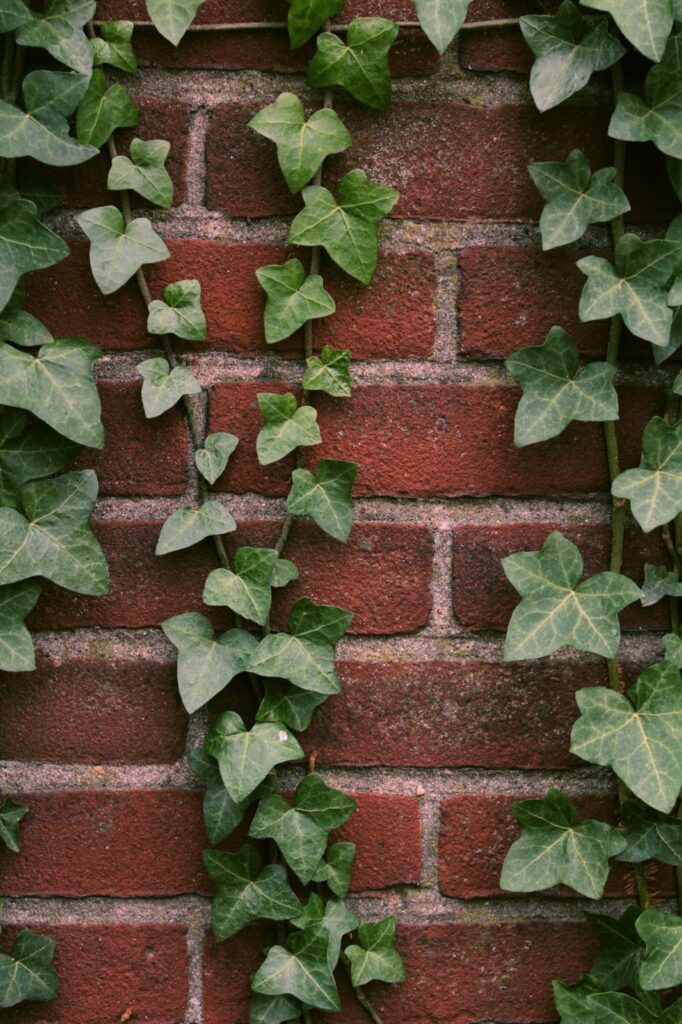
360	994
255	26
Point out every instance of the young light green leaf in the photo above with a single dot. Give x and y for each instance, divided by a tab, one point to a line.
575	198
206	663
360	64
16	643
655	488
285	427
558	611
300	969
41	129
636	734
57	386
568	49
292	299
645	23
20	327
144	172
329	372
655	118
221	813
212	459
302	145
190	526
441	20
650	836
289	705
59	30
180	314
325	496
347	229
328	807
554	849
662	962
659	582
25	244
247	590
11	814
300	839
163	387
102	111
556	392
172	18
376	958
28	973
247	891
336	870
13	13
55	540
334	917
305	656
273	1009
118	250
245	756
306	16
113	46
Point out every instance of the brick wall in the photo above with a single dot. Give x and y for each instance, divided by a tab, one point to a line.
434	735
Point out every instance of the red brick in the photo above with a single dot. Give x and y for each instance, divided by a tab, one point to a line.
383	575
386	831
105	970
495	49
93	711
431	440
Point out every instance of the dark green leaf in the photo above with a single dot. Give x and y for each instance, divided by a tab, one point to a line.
25	244
620	950
329	808
247	590
59	30
11	814
103	110
13	13
659	582
206	663
306	16
245	756
162	387
375	958
292	299
16	643
673	649
299	969
144	172
329	372
20	327
662	961
221	813
28	973
334	917
118	251
42	131
190	526
300	839
657	117
573	1001
273	1009
287	704
360	64
336	870
650	835
28	453
114	46
325	496
212	459
285	427
655	488
247	891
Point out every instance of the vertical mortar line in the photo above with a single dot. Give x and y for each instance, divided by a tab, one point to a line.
448	286
195	971
442	620
195	177
430	820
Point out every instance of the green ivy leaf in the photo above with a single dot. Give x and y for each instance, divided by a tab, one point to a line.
285	427
41	193
573	1001
16	643
55	540
180	314
306	16
172	18
659	582
556	392
11	814
57	386
102	111
360	64
650	835
118	250
557	611
212	459
299	969
305	656
375	958
673	649
334	917
25	245
620	950
636	734
162	387
575	198
347	229
292	300
248	590
619	1008
114	46
329	372
291	706
144	172
328	807
283	572
568	49
554	849
655	489
441	20
59	30
247	891
13	13
662	962
206	664
336	870
190	526
221	813
645	23
20	327
655	118
245	756
28	973
28	453
41	130
302	146
300	839
674	168
273	1009
325	496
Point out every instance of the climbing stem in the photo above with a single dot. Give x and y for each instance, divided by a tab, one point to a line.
255	26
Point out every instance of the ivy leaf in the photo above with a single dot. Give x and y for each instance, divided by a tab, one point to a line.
306	16
57	386
28	973
336	870
620	950
347	229
162	387
11	814
285	427
573	1001
189	526
650	836
292	300
102	111
441	20
662	962
245	756
172	18
325	496
59	30
13	13
575	198
619	1008
16	643
291	706
556	610
334	917
25	244
114	46
55	540
144	172
305	656
659	582
20	327
273	1009
247	891
206	664
556	392
636	734
328	807
376	958
41	193
299	969
300	839
645	23
247	590
655	488
283	572
212	459
568	49
221	813
119	250
180	314
673	649
360	64
302	146
41	130
28	453
655	118
329	372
